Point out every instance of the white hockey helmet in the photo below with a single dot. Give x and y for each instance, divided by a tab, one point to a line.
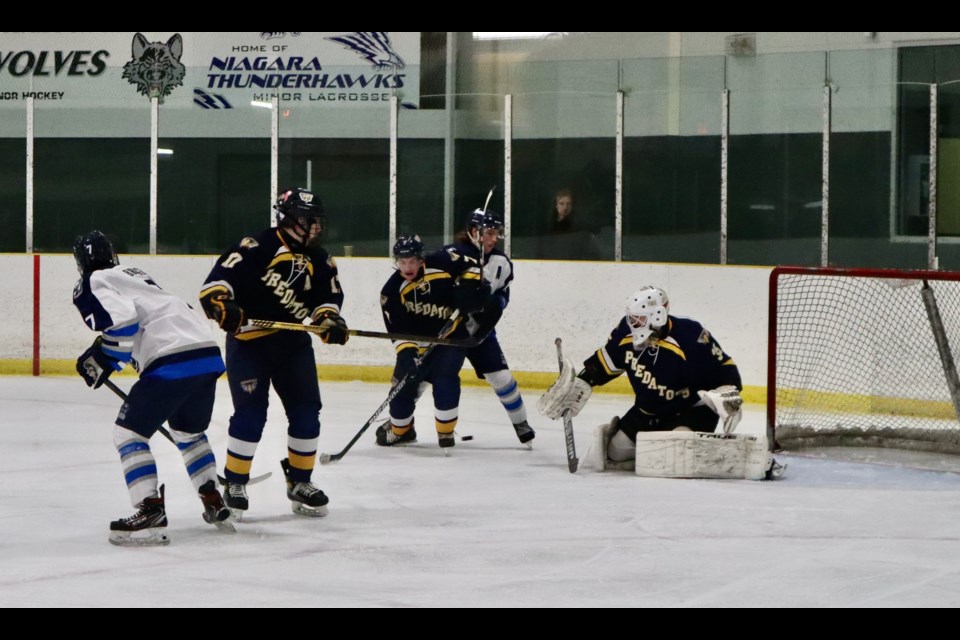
647	310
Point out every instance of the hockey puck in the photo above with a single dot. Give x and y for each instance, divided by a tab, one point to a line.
465	438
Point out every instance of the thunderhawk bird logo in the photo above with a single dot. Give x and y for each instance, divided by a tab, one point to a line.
374	46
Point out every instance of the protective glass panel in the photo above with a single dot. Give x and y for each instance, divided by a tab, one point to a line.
13	164
861	145
564	159
671	159
213	166
775	158
335	141
92	159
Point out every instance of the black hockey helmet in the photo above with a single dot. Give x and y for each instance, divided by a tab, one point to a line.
408	247
483	220
93	251
299	208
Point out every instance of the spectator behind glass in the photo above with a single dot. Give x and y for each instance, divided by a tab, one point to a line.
565	238
561	218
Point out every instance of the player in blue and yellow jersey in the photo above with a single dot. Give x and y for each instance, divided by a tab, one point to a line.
681	376
420	298
280	274
483	229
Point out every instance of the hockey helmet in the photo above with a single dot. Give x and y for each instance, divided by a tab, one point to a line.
299	208
93	251
647	310
483	220
408	246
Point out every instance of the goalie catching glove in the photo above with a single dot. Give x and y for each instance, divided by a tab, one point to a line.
95	366
726	403
333	328
568	393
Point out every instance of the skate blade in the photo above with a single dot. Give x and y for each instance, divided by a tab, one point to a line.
311	512
225	525
142	538
776	471
400	444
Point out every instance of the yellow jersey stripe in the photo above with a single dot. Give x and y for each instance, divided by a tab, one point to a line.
671	347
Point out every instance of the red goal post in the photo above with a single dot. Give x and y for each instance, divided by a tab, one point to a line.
863	357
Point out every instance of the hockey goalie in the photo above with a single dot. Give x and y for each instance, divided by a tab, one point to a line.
687	404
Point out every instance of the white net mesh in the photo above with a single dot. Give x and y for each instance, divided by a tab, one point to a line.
858	362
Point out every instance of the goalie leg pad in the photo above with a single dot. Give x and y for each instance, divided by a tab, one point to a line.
687	454
612	449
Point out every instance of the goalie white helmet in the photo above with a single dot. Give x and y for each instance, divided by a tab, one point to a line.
647	310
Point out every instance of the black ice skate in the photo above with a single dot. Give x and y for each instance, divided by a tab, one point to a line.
525	432
446	440
387	438
235	496
145	528
214	510
306	499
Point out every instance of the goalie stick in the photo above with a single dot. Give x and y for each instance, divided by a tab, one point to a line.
327	458
294	326
572	462
166	434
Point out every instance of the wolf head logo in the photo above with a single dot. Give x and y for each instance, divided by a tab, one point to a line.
155	67
374	46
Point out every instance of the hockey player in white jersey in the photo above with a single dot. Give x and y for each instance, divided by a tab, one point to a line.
179	362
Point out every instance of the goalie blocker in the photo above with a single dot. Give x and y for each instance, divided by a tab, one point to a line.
686	454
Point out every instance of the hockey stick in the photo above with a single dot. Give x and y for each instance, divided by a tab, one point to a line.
294	326
572	461
166	434
327	458
489	195
478	243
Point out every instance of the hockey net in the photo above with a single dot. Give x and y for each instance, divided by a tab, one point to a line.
864	358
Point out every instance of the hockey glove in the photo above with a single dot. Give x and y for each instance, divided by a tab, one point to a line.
482	322
567	393
726	403
333	328
468	297
94	366
225	310
408	363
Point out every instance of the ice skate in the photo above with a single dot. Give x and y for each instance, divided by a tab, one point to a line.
145	528
525	433
215	511
306	499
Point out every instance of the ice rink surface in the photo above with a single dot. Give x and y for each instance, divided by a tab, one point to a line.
493	524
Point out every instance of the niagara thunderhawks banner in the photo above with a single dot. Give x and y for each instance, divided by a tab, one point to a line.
212	70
